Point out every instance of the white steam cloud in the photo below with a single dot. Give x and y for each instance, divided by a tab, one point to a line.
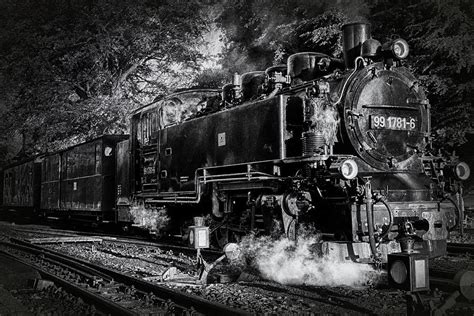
151	219
296	263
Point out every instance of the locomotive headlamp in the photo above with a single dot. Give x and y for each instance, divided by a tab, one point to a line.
459	171
398	48
462	171
348	169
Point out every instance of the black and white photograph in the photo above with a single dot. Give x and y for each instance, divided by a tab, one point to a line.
236	157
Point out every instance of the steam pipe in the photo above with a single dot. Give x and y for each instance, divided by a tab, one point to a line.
348	79
458	212
199	180
215	203
390	215
369	207
461	208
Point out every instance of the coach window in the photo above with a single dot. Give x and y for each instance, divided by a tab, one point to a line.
154	123
56	167
70	164
137	128
192	104
144	128
65	166
108	151
148	125
45	170
169	112
98	157
12	184
44	164
47	176
7	186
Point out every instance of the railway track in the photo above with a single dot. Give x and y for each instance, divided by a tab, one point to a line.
311	298
311	294
262	297
137	241
110	290
460	248
453	248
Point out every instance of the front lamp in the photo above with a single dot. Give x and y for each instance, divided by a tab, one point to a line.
462	171
348	169
459	171
397	49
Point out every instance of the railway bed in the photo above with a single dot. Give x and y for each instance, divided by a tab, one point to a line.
35	231
143	260
109	290
236	295
460	249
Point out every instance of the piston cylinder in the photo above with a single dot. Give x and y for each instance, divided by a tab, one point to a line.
312	143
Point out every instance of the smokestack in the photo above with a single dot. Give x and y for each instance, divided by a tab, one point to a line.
353	35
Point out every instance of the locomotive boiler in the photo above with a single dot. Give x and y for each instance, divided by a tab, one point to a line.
342	147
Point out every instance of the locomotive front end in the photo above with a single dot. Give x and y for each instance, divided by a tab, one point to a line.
369	181
386	121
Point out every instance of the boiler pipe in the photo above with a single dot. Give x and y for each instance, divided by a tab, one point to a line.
369	207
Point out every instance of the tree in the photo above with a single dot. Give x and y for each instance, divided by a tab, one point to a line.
212	78
262	33
440	35
76	69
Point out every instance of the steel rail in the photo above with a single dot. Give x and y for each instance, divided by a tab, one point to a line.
138	241
459	248
199	304
99	302
61	259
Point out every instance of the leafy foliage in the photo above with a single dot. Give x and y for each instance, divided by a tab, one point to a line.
212	78
76	69
262	33
440	35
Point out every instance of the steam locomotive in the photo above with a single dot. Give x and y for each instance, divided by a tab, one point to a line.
339	147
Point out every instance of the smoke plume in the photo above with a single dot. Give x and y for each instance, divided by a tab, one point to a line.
151	219
297	263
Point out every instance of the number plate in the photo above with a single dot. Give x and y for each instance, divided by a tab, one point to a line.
393	122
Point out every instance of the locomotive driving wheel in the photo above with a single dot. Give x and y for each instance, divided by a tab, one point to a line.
222	233
221	236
